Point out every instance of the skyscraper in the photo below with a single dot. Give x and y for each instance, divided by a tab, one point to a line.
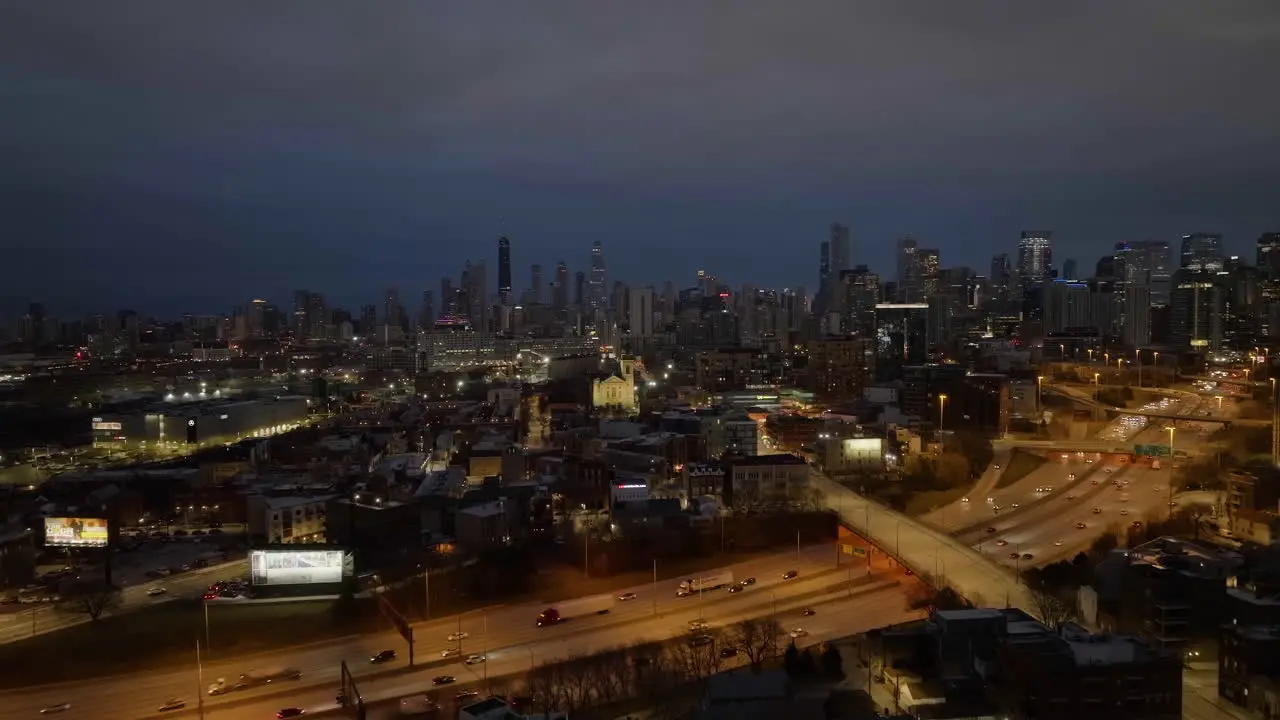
1268	262
1001	281
1035	257
928	260
908	270
427	313
596	290
1202	251
560	287
535	282
1070	270
391	307
839	260
504	270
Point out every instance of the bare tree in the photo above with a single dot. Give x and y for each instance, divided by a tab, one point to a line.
90	598
1051	609
696	658
574	678
757	639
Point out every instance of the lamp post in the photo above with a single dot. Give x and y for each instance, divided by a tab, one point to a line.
1155	363
1172	465
1137	356
1062	351
942	410
1039	392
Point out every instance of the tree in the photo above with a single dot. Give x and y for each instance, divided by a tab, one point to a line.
832	663
807	666
1050	609
974	448
91	598
791	660
757	639
951	470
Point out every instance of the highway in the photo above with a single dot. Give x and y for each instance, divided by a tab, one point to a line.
946	516
488	630
45	617
838	615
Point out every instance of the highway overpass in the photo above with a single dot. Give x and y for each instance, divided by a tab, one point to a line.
925	550
1085	397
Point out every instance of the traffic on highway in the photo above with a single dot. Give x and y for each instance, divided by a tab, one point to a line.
498	635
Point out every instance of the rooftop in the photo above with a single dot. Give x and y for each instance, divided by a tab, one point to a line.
488	509
772	460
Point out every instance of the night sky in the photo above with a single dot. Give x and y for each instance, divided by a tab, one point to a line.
174	156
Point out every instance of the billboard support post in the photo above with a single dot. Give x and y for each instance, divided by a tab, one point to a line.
199	682
207	643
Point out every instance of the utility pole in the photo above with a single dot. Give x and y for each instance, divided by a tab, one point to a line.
199	682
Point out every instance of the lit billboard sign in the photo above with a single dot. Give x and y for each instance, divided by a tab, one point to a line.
107	426
75	532
296	567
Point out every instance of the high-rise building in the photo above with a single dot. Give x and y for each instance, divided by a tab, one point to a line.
902	338
908	275
862	294
596	290
1070	269
1268	263
391	307
579	289
1001	281
839	249
560	288
1196	310
1136	330
1202	251
640	311
929	263
476	286
504	271
1035	257
427	313
535	282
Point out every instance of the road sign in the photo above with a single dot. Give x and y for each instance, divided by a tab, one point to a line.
1151	450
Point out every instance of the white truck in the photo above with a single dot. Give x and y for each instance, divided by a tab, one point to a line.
254	678
706	582
558	613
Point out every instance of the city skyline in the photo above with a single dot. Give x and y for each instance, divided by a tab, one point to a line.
283	163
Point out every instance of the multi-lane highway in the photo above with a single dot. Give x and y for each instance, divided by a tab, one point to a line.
1063	507
489	631
43	618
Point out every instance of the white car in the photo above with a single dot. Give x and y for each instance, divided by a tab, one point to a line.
964	499
1057	543
451	652
627	596
455	637
156	592
60	707
474	659
798	633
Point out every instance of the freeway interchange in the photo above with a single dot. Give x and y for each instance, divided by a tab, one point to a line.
507	635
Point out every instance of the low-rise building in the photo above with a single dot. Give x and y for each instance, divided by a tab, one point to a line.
765	479
289	519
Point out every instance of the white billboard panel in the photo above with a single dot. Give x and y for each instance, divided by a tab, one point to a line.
295	567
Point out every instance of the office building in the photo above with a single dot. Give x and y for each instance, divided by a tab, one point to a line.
908	271
504	271
1202	251
840	367
1035	257
595	284
902	338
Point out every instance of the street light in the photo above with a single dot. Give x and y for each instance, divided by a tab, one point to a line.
1039	393
1137	356
1062	351
1172	464
942	410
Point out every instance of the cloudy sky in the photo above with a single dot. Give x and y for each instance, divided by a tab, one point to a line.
174	156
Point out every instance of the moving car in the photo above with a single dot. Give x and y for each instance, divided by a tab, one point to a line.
627	596
809	612
60	707
384	656
735	588
1027	556
749	581
798	633
701	640
172	704
455	637
156	592
1013	556
451	652
467	694
291	712
443	680
1080	526
1097	511
1001	543
790	574
991	529
475	659
728	652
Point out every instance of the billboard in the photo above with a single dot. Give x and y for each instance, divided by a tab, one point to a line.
75	532
296	567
